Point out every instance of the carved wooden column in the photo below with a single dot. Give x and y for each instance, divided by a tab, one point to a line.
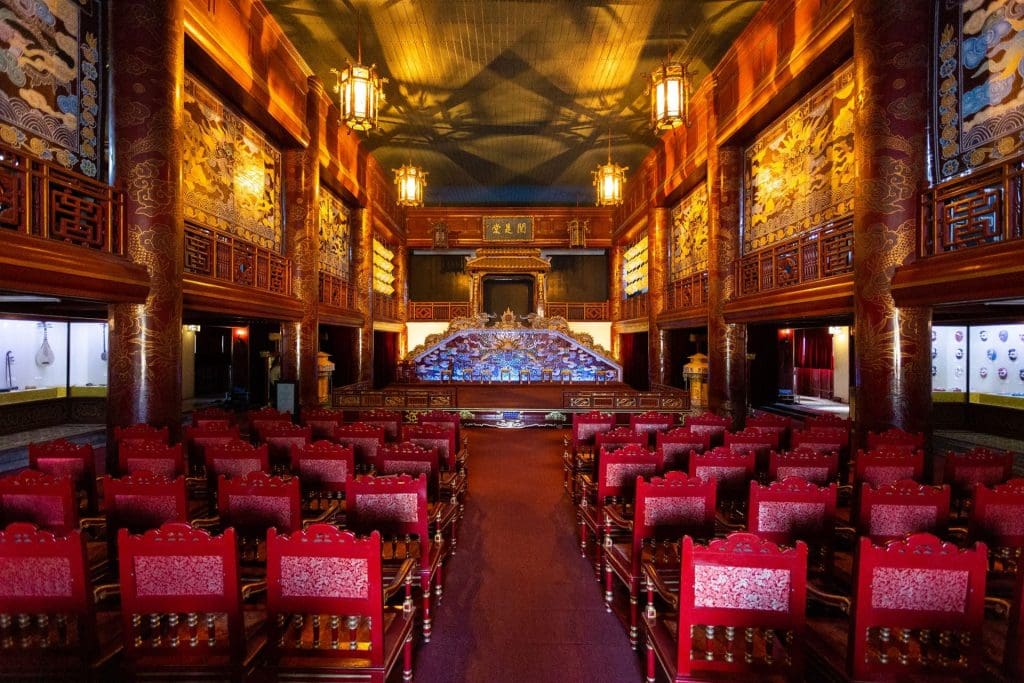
299	340
402	294
363	252
727	343
615	298
657	266
148	43
892	346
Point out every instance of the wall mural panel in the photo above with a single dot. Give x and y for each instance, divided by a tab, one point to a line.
799	173
980	83
232	171
688	240
335	236
49	80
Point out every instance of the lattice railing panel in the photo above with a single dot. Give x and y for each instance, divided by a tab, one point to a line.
814	255
634	307
209	253
689	291
337	292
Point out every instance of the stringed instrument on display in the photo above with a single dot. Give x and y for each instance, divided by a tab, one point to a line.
44	356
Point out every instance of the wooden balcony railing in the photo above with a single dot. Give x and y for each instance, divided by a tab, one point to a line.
44	199
976	210
634	307
814	255
662	399
337	292
578	311
216	255
689	292
438	310
385	307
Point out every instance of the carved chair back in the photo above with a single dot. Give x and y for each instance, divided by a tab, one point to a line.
892	511
235	459
741	606
793	509
173	571
258	501
363	438
197	439
675	446
963	471
822	439
770	422
671	506
396	506
143	432
322	421
918	608
59	457
651	423
709	423
390	420
886	466
818	467
896	439
323	467
440	436
46	605
329	579
731	470
619	437
754	439
441	417
281	436
260	419
997	518
212	416
618	470
143	500
152	456
828	420
50	502
585	426
412	459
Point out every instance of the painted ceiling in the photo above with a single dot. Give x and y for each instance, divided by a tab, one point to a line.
512	101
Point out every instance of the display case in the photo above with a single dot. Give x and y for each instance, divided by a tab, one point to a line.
982	364
45	360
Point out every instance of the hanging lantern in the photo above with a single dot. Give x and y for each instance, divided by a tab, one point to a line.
360	92
410	182
609	179
670	96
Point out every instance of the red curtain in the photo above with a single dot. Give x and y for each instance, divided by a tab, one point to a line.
813	362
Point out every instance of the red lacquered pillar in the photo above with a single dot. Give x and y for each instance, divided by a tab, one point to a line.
657	264
363	252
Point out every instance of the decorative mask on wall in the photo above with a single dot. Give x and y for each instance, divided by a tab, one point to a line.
1003	335
991	353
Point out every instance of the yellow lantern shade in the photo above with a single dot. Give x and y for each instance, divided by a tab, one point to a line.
670	96
410	182
360	92
609	179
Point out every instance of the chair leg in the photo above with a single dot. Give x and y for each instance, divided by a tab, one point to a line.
608	587
407	659
427	589
583	537
650	661
634	616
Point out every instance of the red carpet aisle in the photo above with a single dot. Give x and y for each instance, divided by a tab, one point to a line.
520	604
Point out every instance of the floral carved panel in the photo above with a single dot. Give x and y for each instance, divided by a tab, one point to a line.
161	575
688	239
937	590
799	174
335	222
49	80
232	172
979	84
41	577
746	588
325	577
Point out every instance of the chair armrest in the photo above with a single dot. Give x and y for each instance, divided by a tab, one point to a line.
999	606
92	523
615	515
659	587
324	516
106	591
401	577
206	522
846	533
840	602
253	588
957	534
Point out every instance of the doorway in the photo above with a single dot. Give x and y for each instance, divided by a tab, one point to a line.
513	292
634	360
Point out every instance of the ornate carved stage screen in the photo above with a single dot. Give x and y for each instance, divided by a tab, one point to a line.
542	350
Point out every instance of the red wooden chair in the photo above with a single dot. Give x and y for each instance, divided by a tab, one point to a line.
585	426
754	439
614	484
821	439
280	437
444	418
817	467
212	417
896	439
264	417
675	445
322	421
152	456
255	502
770	422
412	459
197	439
62	457
1013	653
177	571
322	468
963	471
390	420
364	439
741	611
235	459
887	466
708	423
141	432
918	610
50	502
732	470
828	420
143	500
997	519
328	608
443	437
397	508
578	452
665	509
50	628
791	510
617	438
652	423
893	511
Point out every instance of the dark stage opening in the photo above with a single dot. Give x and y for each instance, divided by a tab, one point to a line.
508	292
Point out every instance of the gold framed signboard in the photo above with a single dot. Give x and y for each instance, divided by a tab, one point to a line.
508	228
